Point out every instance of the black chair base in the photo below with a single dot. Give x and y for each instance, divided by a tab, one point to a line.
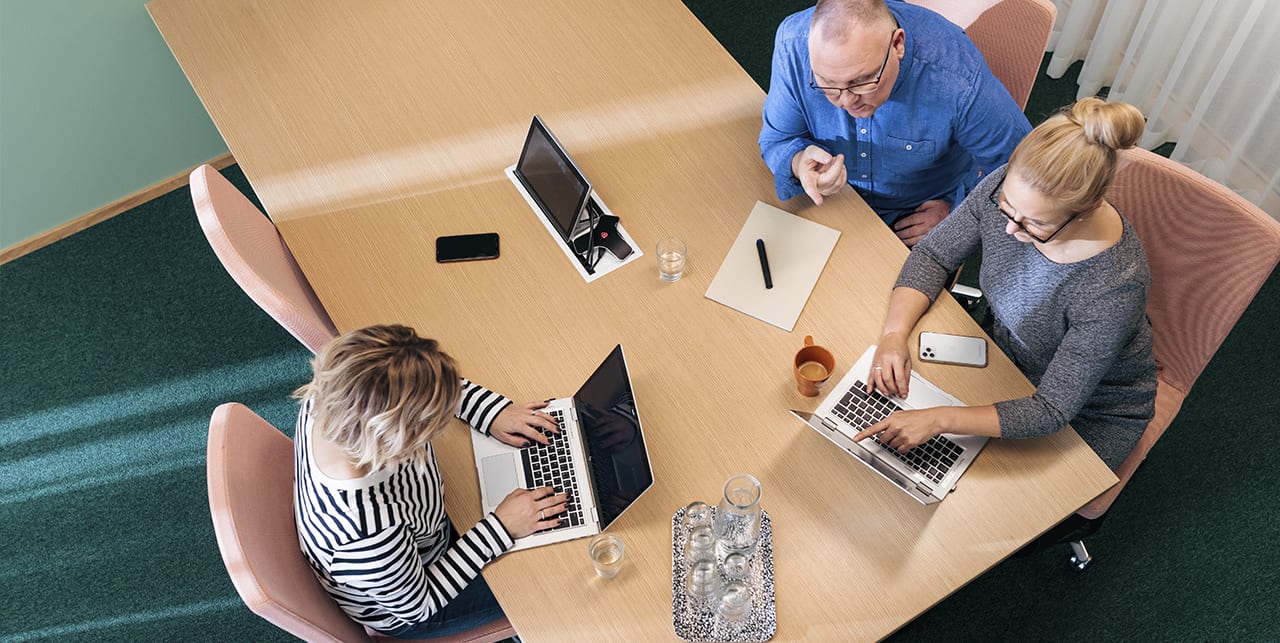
1073	530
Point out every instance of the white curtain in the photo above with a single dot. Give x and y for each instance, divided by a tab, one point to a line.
1205	73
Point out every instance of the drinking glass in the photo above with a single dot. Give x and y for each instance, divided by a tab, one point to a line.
697	514
606	554
735	600
672	253
735	567
737	521
703	581
701	544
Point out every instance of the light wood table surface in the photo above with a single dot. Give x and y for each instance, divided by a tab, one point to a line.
368	129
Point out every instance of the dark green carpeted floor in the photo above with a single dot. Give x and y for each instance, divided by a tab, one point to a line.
119	341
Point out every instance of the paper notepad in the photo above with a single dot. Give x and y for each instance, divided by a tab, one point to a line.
798	250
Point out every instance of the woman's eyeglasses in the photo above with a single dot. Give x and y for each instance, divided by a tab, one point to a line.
995	200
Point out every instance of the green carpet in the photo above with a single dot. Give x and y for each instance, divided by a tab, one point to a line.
120	340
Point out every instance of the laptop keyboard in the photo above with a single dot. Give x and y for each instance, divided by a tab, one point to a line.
551	465
933	459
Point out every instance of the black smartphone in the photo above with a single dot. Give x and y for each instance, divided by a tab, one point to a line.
467	247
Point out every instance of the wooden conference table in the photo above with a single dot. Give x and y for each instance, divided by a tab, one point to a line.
368	129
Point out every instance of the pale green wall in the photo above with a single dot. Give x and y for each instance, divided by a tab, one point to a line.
93	107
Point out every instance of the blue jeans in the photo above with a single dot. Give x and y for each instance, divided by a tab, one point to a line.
474	606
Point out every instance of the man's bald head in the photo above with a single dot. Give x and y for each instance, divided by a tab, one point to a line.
835	20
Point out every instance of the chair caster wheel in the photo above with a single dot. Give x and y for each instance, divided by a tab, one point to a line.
1080	558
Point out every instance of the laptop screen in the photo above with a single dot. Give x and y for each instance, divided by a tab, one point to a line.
551	178
610	423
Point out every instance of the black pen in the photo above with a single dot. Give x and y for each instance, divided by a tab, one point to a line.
764	263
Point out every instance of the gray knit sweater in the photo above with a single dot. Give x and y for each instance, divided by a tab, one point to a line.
1078	331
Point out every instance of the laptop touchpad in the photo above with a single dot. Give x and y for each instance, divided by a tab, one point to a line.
500	479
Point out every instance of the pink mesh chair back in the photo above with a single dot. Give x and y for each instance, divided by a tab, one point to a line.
254	253
1210	252
250	476
1011	34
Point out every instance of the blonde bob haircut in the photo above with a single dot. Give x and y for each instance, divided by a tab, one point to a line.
380	393
1071	157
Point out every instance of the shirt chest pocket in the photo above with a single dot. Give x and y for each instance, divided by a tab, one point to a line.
907	153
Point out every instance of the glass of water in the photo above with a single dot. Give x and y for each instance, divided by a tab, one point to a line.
672	253
606	554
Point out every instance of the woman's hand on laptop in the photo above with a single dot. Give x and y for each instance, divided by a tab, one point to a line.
905	430
891	366
525	511
523	424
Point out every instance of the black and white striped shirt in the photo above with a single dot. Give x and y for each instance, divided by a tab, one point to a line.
380	544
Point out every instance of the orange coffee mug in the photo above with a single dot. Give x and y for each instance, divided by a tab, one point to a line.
812	367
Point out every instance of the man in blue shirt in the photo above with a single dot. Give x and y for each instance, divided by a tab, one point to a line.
890	98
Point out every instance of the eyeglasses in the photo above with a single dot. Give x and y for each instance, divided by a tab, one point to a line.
584	245
858	89
995	200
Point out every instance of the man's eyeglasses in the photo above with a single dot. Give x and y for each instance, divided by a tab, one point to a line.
858	89
995	200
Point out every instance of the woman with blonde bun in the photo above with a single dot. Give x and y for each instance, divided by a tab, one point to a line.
369	500
1066	280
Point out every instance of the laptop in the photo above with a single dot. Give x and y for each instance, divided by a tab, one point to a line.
563	195
599	458
929	471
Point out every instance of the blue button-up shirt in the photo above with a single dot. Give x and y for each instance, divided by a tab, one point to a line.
946	119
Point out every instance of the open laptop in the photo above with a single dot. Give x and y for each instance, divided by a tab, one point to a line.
929	471
563	195
599	459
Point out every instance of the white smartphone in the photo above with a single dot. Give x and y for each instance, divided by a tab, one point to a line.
960	350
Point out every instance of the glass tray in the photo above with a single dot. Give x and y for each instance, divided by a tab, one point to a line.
696	621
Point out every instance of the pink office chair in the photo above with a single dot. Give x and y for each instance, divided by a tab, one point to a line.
1011	34
250	469
253	252
1210	252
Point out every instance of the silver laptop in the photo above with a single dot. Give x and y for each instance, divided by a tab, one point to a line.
599	459
929	471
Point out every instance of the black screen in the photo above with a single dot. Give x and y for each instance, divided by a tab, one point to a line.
551	178
610	424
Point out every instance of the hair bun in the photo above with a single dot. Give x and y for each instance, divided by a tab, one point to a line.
1116	126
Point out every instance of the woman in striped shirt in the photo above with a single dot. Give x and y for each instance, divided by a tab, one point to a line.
369	501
